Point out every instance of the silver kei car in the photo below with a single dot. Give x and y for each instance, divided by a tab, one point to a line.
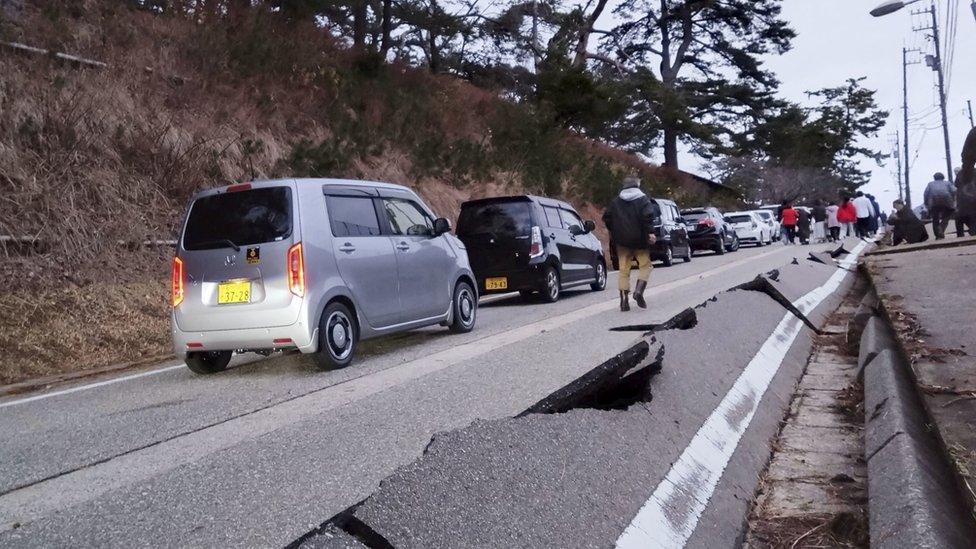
314	265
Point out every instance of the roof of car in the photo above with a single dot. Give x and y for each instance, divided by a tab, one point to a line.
544	200
258	183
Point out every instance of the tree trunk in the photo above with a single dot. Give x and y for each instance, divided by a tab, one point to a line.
387	26
586	28
359	25
670	147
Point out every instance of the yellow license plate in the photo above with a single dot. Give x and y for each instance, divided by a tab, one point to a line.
233	292
497	283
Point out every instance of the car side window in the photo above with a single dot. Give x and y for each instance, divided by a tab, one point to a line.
406	218
352	216
552	217
666	215
569	219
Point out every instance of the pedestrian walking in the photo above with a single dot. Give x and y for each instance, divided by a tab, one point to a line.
819	221
833	225
876	218
783	237
803	225
630	220
940	199
864	211
966	187
906	226
847	216
788	220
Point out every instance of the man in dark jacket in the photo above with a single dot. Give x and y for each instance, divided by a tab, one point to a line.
906	226
966	187
630	219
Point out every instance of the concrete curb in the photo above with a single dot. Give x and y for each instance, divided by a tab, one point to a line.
914	498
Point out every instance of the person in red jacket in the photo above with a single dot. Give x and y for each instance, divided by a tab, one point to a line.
846	216
788	219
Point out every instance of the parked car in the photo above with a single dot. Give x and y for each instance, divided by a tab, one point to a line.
672	235
769	217
314	265
750	228
530	244
709	231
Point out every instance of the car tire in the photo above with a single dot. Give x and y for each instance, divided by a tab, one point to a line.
601	278
208	362
688	254
338	337
668	259
464	308
550	285
734	246
720	245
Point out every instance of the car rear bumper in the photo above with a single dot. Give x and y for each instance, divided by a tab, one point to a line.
526	278
299	336
749	235
705	241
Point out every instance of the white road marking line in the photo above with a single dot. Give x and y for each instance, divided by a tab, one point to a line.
90	386
669	518
652	290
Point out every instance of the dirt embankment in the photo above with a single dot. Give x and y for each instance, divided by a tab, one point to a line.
92	160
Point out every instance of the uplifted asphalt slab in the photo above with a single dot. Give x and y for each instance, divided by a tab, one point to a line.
579	478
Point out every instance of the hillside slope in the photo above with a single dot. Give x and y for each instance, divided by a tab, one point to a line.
92	159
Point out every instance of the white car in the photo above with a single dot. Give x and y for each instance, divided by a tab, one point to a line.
750	228
770	218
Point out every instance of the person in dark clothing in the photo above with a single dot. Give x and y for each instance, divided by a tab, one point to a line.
940	199
630	220
803	225
906	226
819	221
875	220
966	187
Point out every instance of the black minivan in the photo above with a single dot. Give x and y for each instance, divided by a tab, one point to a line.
530	244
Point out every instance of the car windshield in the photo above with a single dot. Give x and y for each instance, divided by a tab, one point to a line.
694	216
765	215
738	218
500	219
241	218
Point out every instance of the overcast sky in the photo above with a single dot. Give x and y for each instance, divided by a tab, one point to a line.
838	39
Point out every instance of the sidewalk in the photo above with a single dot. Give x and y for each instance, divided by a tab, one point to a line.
928	293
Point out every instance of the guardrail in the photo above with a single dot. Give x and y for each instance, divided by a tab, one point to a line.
23	245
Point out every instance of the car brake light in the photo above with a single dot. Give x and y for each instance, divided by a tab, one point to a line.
296	270
177	282
708	222
239	187
535	249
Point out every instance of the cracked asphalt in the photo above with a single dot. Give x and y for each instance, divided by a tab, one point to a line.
263	453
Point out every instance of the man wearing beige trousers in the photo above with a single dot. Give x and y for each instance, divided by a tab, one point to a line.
630	220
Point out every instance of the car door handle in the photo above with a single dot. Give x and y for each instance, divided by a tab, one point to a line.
552	236
347	247
403	246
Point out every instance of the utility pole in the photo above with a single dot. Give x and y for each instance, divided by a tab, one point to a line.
969	102
937	67
908	167
896	146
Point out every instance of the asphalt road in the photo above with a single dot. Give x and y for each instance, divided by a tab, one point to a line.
262	453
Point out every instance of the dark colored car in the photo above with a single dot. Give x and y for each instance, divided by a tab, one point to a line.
530	244
709	231
672	235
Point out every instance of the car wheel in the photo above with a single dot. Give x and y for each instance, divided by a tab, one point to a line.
734	246
688	253
208	362
465	306
668	257
551	289
338	338
601	278
720	245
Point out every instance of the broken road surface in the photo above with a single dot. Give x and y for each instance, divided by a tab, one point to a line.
261	455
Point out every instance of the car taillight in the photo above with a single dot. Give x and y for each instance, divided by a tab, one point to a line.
708	222
535	249
177	282
296	270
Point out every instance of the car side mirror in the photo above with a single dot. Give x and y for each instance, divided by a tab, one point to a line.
441	226
589	226
576	230
681	221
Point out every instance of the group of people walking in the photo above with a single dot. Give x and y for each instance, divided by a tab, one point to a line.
852	215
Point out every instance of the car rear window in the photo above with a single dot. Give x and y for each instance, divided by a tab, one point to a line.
501	219
240	218
738	218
